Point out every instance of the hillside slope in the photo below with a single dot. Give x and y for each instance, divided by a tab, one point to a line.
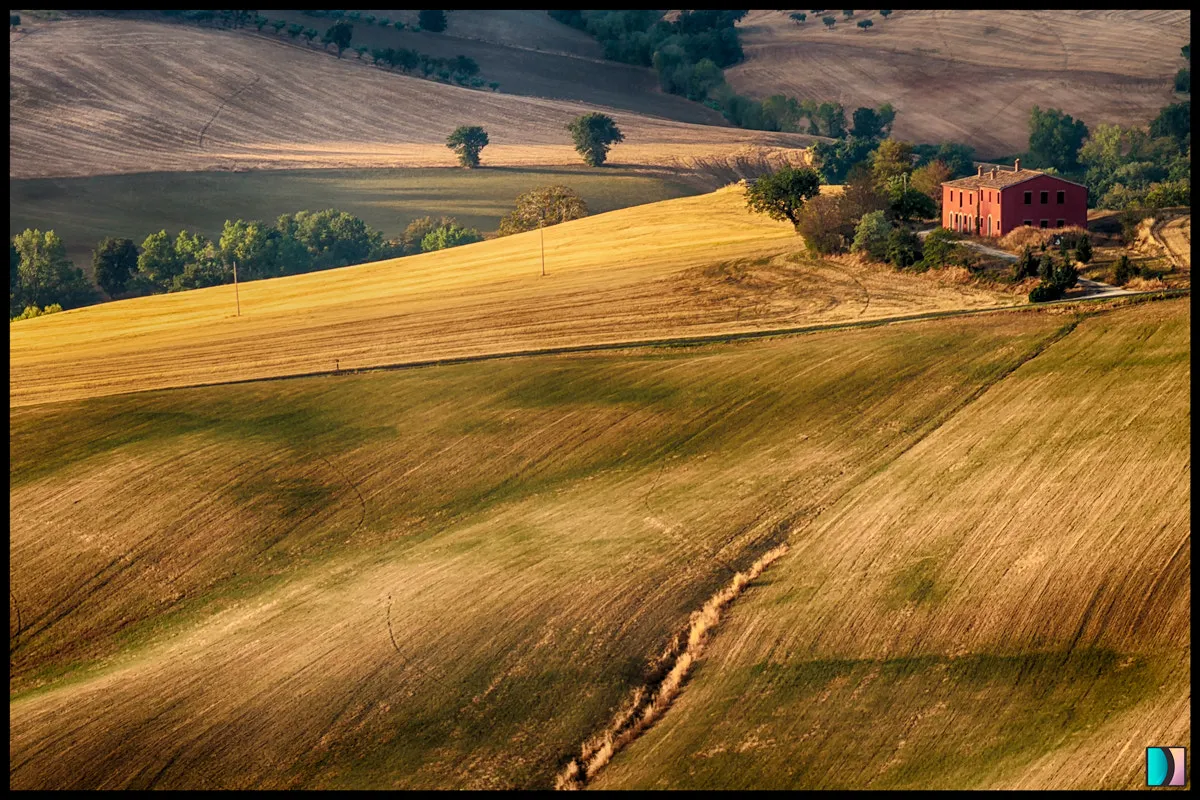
971	76
102	96
444	578
689	266
1005	605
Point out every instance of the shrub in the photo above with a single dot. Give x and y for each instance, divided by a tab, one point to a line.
1045	292
445	237
940	248
419	228
1183	81
903	248
871	235
1124	271
33	311
885	13
819	222
113	263
829	21
1083	249
434	21
799	17
1025	266
1045	267
865	23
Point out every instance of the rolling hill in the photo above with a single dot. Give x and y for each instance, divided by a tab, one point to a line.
691	266
971	76
93	96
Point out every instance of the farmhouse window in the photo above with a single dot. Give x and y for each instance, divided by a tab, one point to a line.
1061	223
960	196
1028	223
1045	224
1062	197
1029	198
1045	198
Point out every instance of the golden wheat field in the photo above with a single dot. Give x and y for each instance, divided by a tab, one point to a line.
1004	605
101	96
690	266
971	76
449	577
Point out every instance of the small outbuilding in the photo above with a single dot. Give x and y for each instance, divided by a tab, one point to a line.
997	201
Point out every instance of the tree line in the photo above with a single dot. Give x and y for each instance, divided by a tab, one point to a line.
43	280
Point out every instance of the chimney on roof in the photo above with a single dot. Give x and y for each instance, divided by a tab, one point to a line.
993	172
980	175
1017	165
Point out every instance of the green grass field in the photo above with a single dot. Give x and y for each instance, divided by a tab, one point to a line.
454	576
85	210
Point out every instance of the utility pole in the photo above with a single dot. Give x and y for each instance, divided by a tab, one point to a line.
236	296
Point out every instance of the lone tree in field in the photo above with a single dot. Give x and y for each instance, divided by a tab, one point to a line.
829	21
594	134
885	12
543	206
434	21
848	13
865	23
339	35
114	261
781	195
467	141
14	21
799	17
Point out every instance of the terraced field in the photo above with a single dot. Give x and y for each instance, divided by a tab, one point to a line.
685	267
987	67
102	96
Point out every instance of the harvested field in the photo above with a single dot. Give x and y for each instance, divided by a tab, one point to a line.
972	76
100	96
507	47
438	579
684	267
1004	605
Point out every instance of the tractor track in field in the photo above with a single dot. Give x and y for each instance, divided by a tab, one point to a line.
220	108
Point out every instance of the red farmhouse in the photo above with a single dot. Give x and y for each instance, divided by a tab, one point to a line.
995	202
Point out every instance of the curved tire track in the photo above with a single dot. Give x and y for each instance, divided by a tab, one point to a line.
225	102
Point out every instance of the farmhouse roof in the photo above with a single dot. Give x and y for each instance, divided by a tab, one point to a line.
1001	178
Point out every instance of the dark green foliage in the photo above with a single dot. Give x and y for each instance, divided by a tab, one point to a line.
419	228
1045	292
434	21
1083	250
799	17
1183	81
44	274
14	278
829	21
865	23
836	159
14	21
311	33
885	13
782	194
295	30
1045	267
1124	271
1173	121
941	249
339	35
959	158
260	22
113	263
867	123
871	235
1064	275
594	134
907	203
1055	138
904	248
848	13
1025	266
278	25
467	141
1186	51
